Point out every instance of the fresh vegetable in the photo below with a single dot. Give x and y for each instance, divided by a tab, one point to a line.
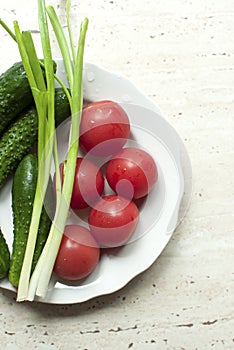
4	256
23	192
44	95
113	220
15	94
88	183
72	252
47	215
132	173
16	142
78	254
104	128
47	143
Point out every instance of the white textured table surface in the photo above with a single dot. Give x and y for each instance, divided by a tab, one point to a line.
181	54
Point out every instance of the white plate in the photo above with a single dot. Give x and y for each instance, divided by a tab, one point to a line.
160	213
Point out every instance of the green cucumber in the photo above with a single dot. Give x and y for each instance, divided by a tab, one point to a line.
4	256
17	141
23	192
15	94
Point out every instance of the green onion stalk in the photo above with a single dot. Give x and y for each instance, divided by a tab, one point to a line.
42	274
44	101
43	93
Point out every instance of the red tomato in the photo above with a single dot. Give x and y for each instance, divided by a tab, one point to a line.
113	220
78	253
88	183
132	173
104	128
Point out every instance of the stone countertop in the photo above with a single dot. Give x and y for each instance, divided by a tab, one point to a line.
181	54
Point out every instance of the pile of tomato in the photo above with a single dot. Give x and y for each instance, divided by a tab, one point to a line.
130	172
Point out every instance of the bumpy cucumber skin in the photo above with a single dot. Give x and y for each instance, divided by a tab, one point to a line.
17	141
23	191
15	94
4	256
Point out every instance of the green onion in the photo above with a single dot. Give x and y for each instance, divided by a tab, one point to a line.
43	94
8	30
47	145
68	7
62	43
36	81
42	273
60	82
